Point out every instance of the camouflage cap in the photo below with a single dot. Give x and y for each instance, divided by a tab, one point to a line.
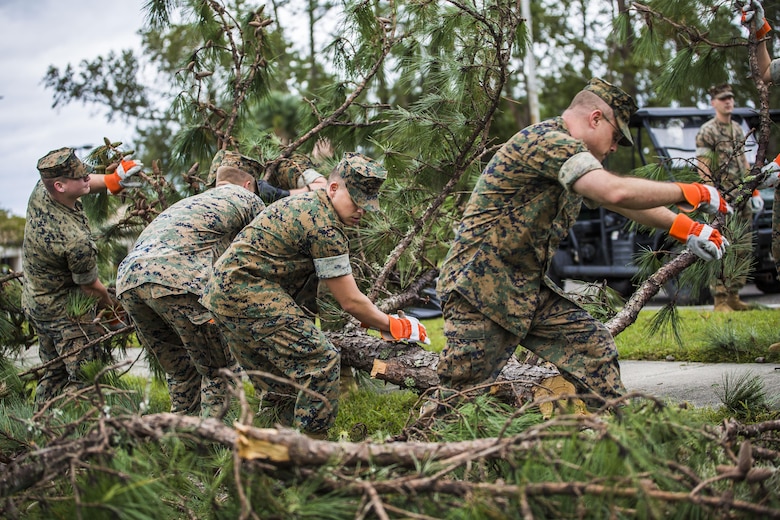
363	177
622	105
721	91
62	163
235	159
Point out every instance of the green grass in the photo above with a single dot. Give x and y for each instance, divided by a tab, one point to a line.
707	336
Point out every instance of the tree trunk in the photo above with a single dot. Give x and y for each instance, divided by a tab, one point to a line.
409	366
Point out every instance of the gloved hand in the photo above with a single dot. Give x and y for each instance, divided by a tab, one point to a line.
404	327
753	13
703	241
771	171
121	178
113	319
270	193
703	197
756	202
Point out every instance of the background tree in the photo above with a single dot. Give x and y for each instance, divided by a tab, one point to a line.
432	87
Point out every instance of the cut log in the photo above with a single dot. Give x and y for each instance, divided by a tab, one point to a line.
410	366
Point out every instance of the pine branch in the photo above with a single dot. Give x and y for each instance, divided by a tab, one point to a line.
649	288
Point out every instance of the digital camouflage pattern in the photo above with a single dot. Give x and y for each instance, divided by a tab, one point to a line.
61	348
58	255
254	295
363	177
521	208
621	103
563	334
179	247
268	264
160	282
62	163
723	146
294	348
294	172
175	327
230	158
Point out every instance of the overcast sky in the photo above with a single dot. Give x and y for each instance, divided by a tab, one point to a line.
35	34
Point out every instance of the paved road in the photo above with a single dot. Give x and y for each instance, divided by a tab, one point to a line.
699	384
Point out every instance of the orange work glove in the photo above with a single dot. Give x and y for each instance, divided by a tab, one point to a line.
703	197
120	179
704	241
403	328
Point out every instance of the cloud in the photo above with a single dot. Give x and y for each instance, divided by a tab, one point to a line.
36	35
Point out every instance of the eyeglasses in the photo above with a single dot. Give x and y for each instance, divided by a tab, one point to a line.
617	135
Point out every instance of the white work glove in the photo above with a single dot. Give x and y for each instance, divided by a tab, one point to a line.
753	14
704	241
126	169
770	171
756	202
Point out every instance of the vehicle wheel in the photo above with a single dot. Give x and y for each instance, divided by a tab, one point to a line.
623	286
768	287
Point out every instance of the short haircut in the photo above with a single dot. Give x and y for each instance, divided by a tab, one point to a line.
588	100
49	183
233	175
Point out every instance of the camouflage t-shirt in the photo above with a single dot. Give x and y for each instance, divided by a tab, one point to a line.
58	255
179	247
727	141
271	259
521	208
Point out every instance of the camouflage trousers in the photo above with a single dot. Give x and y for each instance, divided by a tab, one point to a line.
64	338
776	230
188	344
289	348
559	331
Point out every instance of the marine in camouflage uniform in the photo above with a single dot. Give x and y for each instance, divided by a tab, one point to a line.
160	282
59	260
720	147
257	282
776	230
493	280
753	15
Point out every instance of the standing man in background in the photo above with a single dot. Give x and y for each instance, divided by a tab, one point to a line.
720	153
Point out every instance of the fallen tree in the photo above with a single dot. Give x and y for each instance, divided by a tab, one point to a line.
281	447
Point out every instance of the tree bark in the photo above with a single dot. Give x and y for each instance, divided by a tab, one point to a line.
410	366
